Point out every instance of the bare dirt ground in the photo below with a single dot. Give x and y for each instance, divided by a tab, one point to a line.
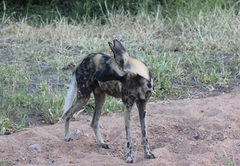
190	132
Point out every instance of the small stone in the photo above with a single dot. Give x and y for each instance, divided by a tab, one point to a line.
34	148
76	131
86	134
3	131
196	136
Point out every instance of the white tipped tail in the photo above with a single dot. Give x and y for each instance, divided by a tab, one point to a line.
71	95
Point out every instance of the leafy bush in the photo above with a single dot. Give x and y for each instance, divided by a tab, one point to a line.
38	11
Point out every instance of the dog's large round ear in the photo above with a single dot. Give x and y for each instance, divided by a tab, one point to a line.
118	56
118	45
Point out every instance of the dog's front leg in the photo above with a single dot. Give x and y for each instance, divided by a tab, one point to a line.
142	115
127	111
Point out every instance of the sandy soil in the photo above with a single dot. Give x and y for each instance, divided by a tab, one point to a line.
190	132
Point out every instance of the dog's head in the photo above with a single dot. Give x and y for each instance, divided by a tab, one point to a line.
121	65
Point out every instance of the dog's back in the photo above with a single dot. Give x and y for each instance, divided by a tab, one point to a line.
86	82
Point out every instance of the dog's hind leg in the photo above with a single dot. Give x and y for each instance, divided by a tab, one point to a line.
127	111
142	115
76	106
99	97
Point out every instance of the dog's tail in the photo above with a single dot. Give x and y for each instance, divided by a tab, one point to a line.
71	95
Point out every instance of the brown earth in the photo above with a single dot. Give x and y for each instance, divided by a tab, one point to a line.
190	132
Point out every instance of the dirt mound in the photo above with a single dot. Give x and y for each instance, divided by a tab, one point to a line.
182	132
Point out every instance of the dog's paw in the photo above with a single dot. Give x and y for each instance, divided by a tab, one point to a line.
68	139
105	146
149	156
129	159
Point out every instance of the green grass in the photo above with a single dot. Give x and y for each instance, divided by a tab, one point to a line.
227	157
192	50
3	162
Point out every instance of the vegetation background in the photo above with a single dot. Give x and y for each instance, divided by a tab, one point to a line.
192	48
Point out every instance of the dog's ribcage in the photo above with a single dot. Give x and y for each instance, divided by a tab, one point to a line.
112	88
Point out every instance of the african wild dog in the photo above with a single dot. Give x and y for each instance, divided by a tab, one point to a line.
119	76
